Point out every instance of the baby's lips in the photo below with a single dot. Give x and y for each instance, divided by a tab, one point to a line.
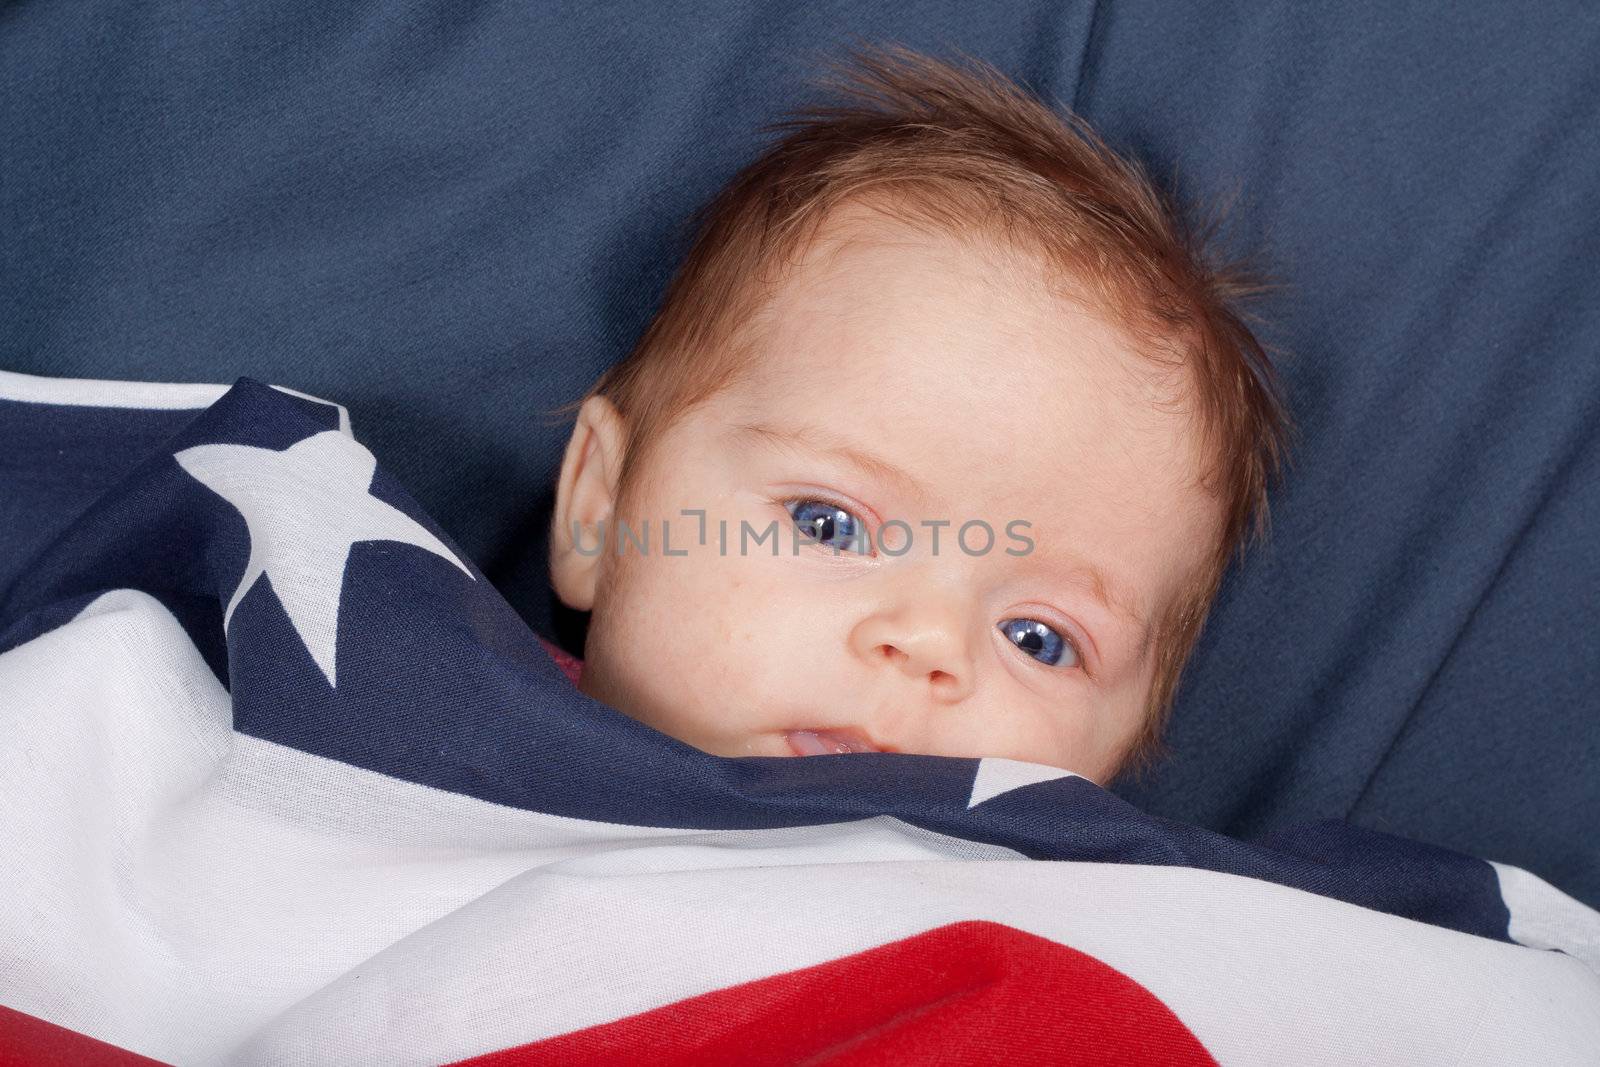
826	743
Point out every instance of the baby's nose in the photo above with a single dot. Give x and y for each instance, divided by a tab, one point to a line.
927	647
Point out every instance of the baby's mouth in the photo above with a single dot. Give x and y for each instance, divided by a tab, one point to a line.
829	742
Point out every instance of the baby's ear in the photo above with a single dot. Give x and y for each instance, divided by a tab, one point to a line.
586	495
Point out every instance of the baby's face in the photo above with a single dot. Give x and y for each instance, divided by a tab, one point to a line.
907	377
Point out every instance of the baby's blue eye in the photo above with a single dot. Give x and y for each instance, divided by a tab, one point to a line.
828	525
1039	641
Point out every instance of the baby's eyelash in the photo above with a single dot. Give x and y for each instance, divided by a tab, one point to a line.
833	500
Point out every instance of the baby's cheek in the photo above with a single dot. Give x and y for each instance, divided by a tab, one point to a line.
742	641
690	615
752	638
727	612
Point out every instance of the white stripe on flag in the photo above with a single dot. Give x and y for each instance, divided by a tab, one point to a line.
1542	916
106	393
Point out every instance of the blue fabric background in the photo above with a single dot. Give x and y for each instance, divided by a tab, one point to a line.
451	216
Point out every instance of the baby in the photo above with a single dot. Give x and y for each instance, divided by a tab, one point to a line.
940	443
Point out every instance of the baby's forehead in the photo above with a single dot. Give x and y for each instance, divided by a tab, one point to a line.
970	417
871	288
901	329
861	254
860	234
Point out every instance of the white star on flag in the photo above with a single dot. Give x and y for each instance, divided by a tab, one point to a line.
305	506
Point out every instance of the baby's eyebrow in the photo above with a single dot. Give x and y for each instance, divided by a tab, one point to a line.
815	439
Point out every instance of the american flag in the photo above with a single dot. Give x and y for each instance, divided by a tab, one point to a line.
285	780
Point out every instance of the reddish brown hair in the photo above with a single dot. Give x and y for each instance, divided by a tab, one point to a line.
963	150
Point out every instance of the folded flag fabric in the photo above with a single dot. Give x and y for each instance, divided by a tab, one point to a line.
284	780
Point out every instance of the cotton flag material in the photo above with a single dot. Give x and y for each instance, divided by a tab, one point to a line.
284	780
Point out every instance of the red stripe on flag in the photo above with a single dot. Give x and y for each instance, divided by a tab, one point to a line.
29	1042
968	993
